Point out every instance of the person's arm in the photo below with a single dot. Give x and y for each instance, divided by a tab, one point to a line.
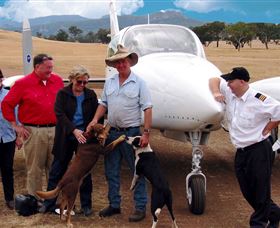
214	85
100	112
270	125
8	106
144	141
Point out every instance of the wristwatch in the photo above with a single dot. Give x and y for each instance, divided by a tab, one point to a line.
146	130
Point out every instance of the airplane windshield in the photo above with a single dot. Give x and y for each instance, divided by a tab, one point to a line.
160	38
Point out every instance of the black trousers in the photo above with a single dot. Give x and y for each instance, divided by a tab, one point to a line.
253	171
7	152
57	171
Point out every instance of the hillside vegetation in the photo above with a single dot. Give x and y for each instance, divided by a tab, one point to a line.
260	62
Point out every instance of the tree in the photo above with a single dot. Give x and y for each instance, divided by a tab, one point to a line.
75	32
102	36
210	32
204	35
266	32
239	34
216	29
62	35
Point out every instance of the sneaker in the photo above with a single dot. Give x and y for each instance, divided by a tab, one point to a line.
109	211
137	216
10	204
87	211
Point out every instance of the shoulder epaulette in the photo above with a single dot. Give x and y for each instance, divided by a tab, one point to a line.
260	96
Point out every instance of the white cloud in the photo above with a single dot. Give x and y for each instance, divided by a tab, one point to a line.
20	9
202	6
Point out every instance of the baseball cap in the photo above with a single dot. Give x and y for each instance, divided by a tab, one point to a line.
237	73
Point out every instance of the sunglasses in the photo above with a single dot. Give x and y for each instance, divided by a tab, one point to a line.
80	82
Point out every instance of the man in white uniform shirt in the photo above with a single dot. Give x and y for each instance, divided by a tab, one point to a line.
251	115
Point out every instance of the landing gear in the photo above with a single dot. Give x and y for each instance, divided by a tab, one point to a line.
196	180
197	194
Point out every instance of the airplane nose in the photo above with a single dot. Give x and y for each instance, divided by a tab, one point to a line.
179	84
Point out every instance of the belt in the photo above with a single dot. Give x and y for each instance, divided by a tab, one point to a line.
253	146
40	125
122	128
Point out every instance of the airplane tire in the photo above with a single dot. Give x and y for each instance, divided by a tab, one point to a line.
198	195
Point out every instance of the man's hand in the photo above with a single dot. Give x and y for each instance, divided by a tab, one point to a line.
90	125
22	131
19	143
219	97
144	140
270	125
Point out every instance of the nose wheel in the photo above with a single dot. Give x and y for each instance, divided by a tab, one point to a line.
196	193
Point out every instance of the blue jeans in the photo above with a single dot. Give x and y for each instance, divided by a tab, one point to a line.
113	162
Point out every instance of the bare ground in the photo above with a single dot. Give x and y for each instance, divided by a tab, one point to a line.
225	206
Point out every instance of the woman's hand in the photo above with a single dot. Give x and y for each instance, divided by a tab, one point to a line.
79	136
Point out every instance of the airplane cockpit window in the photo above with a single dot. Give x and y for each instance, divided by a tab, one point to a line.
160	38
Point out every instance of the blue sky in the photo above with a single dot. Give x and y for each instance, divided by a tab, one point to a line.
204	10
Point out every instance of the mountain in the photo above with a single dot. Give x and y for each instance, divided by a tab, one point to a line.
51	24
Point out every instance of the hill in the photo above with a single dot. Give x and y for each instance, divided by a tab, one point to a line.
51	24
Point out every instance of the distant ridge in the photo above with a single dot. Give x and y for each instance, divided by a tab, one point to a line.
51	24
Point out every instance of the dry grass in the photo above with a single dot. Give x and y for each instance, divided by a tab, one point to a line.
225	205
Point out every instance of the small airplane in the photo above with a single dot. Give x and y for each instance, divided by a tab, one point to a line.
173	64
172	61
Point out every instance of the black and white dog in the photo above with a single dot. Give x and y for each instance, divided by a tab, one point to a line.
147	165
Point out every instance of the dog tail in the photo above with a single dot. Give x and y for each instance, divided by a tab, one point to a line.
49	194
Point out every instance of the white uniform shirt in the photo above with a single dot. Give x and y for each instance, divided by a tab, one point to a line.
248	115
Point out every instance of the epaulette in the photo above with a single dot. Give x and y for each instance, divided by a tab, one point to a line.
260	96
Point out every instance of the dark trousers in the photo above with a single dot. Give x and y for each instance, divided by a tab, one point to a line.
7	152
57	171
253	171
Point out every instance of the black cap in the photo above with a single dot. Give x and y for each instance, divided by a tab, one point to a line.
237	73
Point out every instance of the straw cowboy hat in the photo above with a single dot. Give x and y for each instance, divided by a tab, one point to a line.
122	53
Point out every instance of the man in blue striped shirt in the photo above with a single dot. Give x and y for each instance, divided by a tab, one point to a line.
125	96
8	141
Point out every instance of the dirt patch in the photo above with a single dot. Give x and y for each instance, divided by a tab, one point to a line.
225	206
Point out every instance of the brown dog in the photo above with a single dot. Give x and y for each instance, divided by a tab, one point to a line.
86	157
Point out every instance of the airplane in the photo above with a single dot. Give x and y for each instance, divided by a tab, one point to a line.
173	63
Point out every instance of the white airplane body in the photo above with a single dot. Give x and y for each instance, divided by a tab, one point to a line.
173	64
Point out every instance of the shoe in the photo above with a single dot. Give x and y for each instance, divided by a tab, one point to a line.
10	204
43	209
137	216
87	211
273	224
109	211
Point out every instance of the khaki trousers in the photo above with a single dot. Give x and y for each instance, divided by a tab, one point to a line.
38	156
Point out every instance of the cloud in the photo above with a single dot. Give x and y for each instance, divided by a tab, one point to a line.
20	9
202	6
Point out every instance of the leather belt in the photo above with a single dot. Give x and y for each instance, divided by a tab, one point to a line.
40	125
122	128
254	145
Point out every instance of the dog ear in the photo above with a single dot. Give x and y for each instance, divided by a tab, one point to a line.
136	142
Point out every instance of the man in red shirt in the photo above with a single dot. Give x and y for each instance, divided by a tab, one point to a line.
35	96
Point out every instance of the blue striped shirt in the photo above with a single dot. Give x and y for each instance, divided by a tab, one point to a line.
125	102
7	133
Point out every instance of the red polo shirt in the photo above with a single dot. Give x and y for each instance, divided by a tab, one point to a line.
35	100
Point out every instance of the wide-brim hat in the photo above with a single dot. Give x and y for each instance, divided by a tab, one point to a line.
122	53
237	73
